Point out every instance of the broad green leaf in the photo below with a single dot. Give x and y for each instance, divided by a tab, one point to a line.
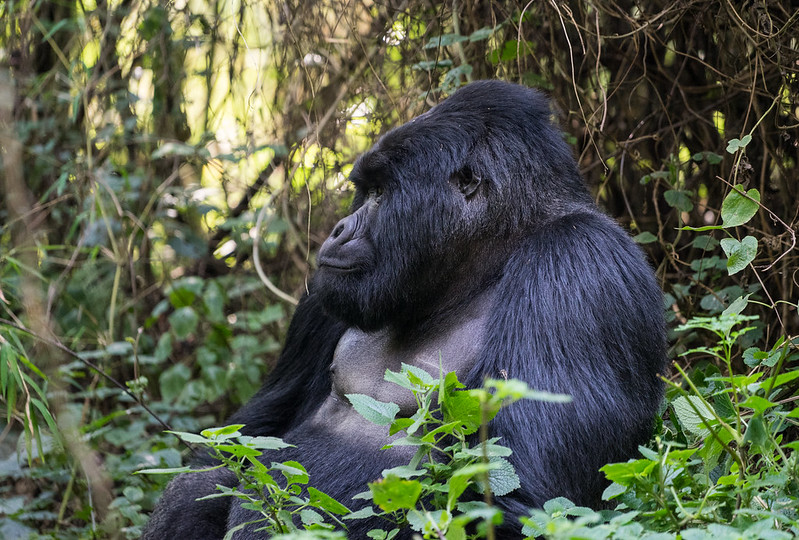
625	473
223	433
430	65
738	144
294	472
173	381
184	322
756	431
377	412
679	199
326	502
758	404
480	34
737	209
393	493
690	420
739	254
264	443
444	41
710	157
737	306
119	348
645	237
503	478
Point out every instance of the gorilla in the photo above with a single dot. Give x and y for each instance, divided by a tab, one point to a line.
473	241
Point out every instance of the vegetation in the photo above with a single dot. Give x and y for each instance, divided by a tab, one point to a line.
168	171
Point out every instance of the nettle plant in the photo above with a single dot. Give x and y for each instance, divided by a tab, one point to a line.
447	485
721	465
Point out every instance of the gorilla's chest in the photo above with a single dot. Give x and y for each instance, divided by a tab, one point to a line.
361	358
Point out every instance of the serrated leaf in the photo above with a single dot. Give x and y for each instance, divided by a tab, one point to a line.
377	412
393	493
737	209
503	478
689	418
739	254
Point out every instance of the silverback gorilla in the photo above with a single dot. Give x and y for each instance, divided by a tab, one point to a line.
472	239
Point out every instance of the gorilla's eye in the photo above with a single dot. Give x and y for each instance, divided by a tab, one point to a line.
375	193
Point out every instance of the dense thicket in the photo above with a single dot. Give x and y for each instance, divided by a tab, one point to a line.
169	171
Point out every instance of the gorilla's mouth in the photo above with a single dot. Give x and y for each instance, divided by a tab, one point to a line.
336	266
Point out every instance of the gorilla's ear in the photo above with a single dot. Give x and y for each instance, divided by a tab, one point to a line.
467	181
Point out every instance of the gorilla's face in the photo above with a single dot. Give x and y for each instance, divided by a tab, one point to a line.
393	258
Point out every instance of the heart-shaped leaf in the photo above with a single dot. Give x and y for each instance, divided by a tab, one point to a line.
739	254
737	209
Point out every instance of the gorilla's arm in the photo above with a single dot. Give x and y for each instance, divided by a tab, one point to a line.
578	312
298	384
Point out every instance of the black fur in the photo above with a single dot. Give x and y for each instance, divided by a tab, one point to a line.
478	198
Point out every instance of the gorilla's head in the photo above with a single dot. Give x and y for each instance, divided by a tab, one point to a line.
441	201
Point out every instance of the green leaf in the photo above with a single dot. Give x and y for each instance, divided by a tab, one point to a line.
173	380
294	472
710	157
119	348
690	420
444	41
758	404
326	502
626	473
223	433
739	254
393	493
756	431
377	412
430	65
214	300
481	34
503	477
737	209
645	237
679	199
192	438
184	322
173	470
264	442
738	144
737	306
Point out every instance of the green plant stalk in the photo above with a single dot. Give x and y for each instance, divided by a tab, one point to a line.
658	495
735	434
487	495
727	348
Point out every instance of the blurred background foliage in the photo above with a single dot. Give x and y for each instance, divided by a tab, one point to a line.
168	171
